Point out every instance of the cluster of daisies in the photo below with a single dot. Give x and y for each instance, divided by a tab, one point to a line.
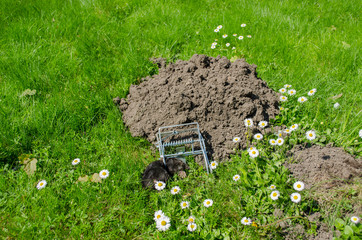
163	222
292	92
295	197
224	36
102	174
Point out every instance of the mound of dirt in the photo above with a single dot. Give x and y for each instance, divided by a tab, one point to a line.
326	166
214	92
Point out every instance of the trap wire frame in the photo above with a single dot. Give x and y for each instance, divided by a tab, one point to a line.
168	132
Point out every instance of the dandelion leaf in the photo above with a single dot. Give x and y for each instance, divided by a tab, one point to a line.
83	179
95	178
30	166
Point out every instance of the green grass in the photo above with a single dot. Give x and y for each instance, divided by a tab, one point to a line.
78	55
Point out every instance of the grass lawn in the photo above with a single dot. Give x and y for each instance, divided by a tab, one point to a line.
78	55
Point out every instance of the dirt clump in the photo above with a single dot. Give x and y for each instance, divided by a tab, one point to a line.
323	167
214	92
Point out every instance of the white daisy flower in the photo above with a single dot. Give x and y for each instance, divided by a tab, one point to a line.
248	36
240	37
158	215
287	131
175	190
355	219
246	221
280	133
360	133
312	92
287	86
302	99
254	153
163	223
184	204
208	203
280	141
295	197
213	47
281	108
336	105
228	44
219	27
236	139
248	122
191	227
216	40
213	165
104	174
233	48
216	30
236	178
235	35
159	185
299	186
41	184
294	127
272	187
76	161
273	142
292	92
258	136
251	149
214	43
263	124
224	36
282	90
243	25
275	195
191	219
310	135
283	98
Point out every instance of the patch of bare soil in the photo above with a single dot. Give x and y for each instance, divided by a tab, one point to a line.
323	167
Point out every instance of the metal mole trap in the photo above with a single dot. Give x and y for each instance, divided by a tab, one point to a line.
179	141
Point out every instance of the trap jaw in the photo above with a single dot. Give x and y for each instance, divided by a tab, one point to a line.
184	140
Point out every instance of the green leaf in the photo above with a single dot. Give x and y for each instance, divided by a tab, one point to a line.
328	131
348	230
339	223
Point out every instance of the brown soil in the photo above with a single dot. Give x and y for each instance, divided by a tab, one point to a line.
323	167
214	92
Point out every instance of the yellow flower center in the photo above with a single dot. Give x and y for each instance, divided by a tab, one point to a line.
263	124
208	202
272	187
192	226
253	152
354	219
279	141
213	164
159	184
299	186
41	184
295	197
184	204
275	194
163	223
158	216
175	190
104	173
191	220
246	220
310	135
248	121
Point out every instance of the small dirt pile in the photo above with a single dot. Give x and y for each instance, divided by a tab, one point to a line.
214	92
325	167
